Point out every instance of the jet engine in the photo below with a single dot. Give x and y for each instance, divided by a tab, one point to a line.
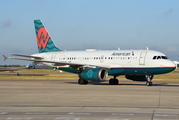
94	74
138	77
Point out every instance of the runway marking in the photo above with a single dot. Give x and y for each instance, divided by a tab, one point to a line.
79	113
165	115
18	118
63	118
36	113
121	114
3	113
165	119
115	119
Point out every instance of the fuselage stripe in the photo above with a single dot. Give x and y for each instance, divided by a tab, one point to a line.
142	67
128	67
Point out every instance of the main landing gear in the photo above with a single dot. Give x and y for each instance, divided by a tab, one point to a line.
114	81
149	79
82	82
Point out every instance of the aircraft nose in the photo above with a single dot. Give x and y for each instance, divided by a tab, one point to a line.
171	65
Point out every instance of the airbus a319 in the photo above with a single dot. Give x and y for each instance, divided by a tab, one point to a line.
93	65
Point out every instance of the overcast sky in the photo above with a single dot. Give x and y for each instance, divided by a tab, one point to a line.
85	24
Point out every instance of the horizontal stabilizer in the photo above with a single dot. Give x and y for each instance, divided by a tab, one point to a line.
26	56
4	57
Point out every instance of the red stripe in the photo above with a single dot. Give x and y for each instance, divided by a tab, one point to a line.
128	67
144	67
61	67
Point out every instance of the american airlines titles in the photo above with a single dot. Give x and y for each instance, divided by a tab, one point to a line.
121	54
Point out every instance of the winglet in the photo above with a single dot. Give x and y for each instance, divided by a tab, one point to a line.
4	57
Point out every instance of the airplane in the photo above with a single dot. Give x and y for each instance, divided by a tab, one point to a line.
96	65
31	65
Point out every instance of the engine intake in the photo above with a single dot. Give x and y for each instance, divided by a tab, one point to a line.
94	74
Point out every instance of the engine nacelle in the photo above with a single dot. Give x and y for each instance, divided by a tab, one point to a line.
94	74
138	77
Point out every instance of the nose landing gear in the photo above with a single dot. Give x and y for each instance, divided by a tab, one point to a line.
149	79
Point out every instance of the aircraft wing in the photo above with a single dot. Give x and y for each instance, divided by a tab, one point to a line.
56	63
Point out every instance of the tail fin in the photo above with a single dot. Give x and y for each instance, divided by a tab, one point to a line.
44	41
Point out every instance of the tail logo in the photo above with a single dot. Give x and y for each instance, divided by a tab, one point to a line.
42	38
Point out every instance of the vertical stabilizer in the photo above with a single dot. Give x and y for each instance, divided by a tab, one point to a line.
44	41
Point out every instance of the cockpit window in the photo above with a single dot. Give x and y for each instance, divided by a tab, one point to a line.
164	57
159	57
154	57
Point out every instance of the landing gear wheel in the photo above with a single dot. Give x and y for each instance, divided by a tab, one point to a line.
113	81
82	82
149	79
149	83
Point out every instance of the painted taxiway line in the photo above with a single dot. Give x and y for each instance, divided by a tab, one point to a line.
114	119
79	113
18	118
64	118
3	113
36	113
166	115
121	114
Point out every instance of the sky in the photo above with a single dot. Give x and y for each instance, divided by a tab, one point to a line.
90	24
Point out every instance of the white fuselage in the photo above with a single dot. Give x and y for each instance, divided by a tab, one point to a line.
114	58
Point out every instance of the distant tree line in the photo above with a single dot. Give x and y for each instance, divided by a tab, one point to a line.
12	65
37	66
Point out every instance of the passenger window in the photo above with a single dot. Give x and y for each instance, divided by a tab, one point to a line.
154	57
158	57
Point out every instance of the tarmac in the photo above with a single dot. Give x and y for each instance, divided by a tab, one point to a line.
66	100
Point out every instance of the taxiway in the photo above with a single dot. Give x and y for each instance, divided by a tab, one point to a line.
66	100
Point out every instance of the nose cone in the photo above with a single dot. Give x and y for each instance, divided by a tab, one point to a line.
170	66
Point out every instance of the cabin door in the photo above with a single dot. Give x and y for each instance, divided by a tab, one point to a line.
142	58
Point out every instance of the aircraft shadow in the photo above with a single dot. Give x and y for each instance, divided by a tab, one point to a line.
122	84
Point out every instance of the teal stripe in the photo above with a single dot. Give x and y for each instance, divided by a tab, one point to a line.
131	71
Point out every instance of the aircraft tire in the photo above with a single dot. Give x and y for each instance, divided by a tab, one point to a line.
149	83
82	82
113	81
